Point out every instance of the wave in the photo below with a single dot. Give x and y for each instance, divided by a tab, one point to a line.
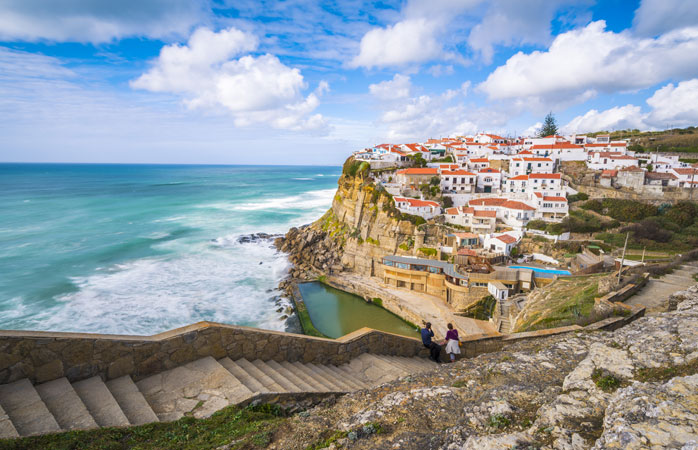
309	200
302	179
235	284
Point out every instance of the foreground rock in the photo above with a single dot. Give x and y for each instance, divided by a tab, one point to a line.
633	388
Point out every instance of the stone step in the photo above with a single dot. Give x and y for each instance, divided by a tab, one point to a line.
414	365
384	362
66	406
7	428
319	379
305	375
26	410
330	377
354	375
131	401
290	375
352	381
100	402
404	364
373	370
198	388
245	378
266	380
281	380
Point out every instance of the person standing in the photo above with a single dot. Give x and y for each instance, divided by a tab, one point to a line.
434	348
452	342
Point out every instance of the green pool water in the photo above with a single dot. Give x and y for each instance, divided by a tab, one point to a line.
336	313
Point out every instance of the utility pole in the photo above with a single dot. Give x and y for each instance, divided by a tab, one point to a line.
622	259
693	180
643	254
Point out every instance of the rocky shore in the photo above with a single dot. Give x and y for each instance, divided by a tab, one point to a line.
634	388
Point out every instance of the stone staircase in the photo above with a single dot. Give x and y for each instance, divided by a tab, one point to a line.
198	388
504	322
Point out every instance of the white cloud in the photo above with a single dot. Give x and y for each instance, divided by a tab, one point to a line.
399	87
513	22
675	105
671	105
408	41
98	21
254	89
654	17
616	118
583	62
532	130
437	70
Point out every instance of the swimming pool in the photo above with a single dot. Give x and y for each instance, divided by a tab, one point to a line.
542	270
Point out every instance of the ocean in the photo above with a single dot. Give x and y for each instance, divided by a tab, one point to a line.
140	249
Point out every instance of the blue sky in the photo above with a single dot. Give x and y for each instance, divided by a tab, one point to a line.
301	82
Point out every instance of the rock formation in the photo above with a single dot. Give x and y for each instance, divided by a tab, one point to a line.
634	388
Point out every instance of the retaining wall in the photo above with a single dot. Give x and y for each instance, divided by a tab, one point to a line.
43	356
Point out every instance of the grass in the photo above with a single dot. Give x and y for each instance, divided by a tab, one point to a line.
426	251
605	381
499	421
572	302
249	428
377	301
655	374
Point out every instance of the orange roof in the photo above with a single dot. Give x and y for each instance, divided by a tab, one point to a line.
513	204
488	213
547	176
419	171
448	166
619	144
520	178
554	199
466	235
467	252
452	211
525	152
631	169
494	136
507	239
487	201
479	160
416	202
554	146
416	147
686	171
609	173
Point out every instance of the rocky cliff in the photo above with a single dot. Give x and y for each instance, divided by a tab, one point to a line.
633	388
360	228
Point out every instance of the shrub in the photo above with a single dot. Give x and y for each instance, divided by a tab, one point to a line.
580	196
377	301
370	240
416	220
426	251
353	167
447	202
537	225
682	213
605	381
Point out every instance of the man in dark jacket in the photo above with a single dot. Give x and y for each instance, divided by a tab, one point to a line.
434	348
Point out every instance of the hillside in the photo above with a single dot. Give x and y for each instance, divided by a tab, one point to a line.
677	140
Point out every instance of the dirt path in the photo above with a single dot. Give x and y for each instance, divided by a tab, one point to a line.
655	294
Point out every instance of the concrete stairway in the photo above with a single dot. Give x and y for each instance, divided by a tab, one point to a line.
198	388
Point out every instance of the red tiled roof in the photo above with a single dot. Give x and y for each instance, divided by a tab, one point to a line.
610	173
507	239
520	178
686	171
631	169
416	202
555	145
513	204
479	160
457	172
487	201
490	213
466	235
419	171
555	199
452	211
467	252
547	176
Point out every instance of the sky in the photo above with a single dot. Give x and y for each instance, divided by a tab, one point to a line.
303	82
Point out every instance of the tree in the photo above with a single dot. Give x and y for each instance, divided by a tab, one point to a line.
549	126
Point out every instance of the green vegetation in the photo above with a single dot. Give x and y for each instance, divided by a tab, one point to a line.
499	421
482	309
426	251
661	374
621	209
549	126
416	220
678	140
578	197
407	245
333	436
417	160
605	381
377	301
249	428
354	167
445	159
306	323
370	240
570	302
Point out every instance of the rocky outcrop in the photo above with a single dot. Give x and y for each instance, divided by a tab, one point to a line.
360	228
636	387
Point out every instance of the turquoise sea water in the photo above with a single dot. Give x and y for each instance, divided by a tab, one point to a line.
139	249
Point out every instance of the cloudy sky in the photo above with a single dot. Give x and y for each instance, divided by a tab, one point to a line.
303	82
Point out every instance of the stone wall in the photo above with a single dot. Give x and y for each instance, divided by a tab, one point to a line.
44	356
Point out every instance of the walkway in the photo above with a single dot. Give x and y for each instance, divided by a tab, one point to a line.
655	294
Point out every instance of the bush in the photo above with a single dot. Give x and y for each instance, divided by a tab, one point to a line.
416	220
447	202
537	225
682	213
353	167
426	251
650	230
580	196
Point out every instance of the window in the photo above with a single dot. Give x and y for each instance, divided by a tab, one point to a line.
402	266
419	267
434	269
387	263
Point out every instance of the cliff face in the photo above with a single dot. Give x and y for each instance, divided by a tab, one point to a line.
360	228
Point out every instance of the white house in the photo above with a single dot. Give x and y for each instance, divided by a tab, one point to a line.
518	183
525	165
550	208
484	138
479	221
560	151
458	181
489	180
687	176
500	243
424	208
545	182
610	161
513	213
477	164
